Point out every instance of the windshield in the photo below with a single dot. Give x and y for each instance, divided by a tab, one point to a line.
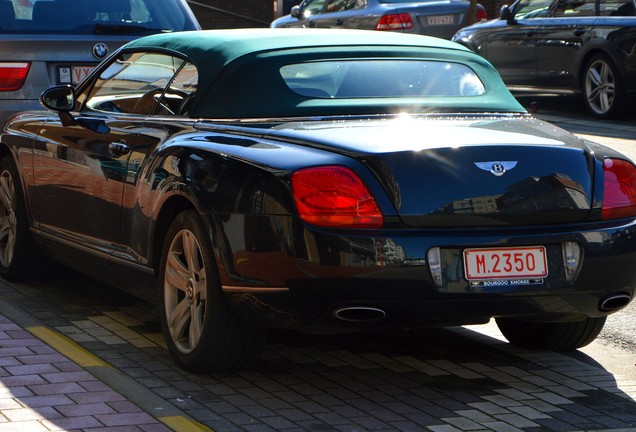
134	17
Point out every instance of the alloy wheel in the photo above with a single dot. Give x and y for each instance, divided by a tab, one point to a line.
8	221
600	86
185	291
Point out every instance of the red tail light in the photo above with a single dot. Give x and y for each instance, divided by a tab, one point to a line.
334	196
395	22
619	192
13	75
480	15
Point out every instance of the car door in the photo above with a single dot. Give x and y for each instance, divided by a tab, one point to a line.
81	166
559	42
511	48
141	188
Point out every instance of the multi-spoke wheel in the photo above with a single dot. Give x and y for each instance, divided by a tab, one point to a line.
559	336
18	253
201	331
8	223
602	88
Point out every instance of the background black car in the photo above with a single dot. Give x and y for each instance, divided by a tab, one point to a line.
564	46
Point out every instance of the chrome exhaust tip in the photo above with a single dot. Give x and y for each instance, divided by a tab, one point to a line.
359	314
614	302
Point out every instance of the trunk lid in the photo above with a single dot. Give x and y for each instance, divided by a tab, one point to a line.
57	59
459	172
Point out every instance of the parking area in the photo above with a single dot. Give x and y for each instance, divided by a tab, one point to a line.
442	380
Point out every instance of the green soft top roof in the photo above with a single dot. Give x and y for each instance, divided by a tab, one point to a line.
220	47
221	54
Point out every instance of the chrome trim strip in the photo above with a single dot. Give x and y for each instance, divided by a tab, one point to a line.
248	289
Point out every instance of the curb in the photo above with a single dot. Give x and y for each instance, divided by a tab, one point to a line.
145	399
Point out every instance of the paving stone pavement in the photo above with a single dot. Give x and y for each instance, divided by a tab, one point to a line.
42	390
447	380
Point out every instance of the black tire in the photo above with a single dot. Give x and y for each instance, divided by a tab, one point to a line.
603	90
19	255
563	336
202	333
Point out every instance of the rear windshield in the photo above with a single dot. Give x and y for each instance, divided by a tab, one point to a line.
125	17
366	78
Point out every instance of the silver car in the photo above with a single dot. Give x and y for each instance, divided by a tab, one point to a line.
440	18
49	42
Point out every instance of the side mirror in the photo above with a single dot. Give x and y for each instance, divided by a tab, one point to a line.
60	98
505	13
295	11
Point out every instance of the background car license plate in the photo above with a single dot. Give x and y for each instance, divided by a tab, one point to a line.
440	20
505	263
73	74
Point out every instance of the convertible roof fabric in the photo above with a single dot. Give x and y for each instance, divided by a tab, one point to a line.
241	68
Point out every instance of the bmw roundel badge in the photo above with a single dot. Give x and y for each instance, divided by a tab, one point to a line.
100	50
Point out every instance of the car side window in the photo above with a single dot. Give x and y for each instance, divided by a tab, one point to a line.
617	8
575	8
133	84
533	9
343	5
177	98
312	7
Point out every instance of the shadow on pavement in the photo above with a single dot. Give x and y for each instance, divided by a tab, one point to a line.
461	378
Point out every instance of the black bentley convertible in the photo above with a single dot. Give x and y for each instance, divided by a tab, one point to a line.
325	181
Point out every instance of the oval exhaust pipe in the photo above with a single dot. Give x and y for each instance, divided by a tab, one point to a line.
359	314
614	302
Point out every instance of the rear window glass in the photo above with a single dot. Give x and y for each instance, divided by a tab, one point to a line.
370	78
126	17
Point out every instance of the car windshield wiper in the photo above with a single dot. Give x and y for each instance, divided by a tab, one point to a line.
126	29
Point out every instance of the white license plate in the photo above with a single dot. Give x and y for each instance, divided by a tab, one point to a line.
74	74
505	263
440	20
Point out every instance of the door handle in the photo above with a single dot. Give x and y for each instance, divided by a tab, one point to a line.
339	22
578	31
118	149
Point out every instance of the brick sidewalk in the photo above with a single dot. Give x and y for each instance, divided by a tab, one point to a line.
42	390
444	380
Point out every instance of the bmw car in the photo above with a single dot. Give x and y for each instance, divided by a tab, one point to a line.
48	42
261	179
440	18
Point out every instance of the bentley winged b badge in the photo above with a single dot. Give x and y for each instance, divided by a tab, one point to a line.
498	168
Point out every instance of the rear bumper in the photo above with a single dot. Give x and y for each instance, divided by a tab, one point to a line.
387	280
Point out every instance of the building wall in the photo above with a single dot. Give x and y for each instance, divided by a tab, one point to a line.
218	14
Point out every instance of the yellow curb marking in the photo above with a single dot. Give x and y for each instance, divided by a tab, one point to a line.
84	358
183	424
66	346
